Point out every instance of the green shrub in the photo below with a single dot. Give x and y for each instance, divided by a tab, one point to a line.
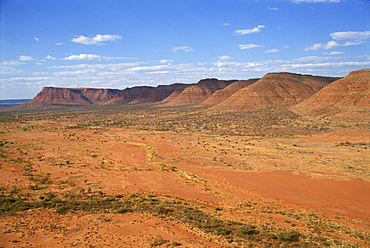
247	230
284	235
222	231
124	210
157	241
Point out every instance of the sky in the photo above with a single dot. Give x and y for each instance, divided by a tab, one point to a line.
125	43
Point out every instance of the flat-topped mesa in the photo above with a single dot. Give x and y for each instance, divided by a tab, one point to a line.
129	95
351	93
66	96
158	94
98	96
274	89
197	93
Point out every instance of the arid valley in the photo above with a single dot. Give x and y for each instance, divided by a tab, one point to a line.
291	171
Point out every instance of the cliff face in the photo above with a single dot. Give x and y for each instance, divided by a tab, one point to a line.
351	93
88	96
65	96
129	95
223	94
160	93
197	93
274	89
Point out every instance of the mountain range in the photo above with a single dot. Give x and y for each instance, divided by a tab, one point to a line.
302	94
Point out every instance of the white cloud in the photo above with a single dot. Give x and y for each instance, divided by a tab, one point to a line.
312	59
182	48
12	63
36	39
90	57
111	58
342	39
351	37
315	1
249	31
83	57
334	53
224	57
272	8
248	46
8	70
50	57
165	61
272	51
97	40
25	58
59	44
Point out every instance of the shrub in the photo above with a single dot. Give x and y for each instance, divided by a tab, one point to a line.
157	241
159	209
284	235
222	231
247	230
124	210
62	210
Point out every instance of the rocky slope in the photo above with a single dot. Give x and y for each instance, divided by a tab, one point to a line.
351	93
197	93
221	95
275	89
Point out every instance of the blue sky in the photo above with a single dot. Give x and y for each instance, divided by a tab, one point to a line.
125	43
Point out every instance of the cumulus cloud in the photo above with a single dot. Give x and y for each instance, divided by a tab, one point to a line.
249	31
83	57
342	39
89	57
182	48
50	57
351	37
25	58
248	46
97	40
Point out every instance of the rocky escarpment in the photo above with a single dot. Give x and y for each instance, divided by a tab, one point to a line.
351	93
159	93
129	95
223	94
275	89
197	93
66	96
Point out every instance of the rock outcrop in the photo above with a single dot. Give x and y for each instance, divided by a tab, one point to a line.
223	94
129	95
197	93
275	89
159	93
351	93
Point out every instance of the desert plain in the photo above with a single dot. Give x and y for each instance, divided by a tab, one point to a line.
146	176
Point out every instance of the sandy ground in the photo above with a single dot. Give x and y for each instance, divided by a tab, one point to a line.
259	180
